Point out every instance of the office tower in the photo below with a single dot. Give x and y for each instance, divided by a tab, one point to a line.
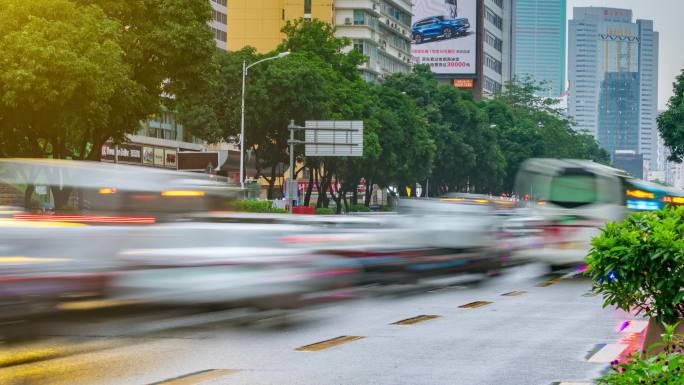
538	49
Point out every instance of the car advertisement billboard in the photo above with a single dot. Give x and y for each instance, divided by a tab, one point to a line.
444	35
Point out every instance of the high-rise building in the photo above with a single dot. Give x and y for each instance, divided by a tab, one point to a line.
496	46
613	76
219	23
381	29
539	35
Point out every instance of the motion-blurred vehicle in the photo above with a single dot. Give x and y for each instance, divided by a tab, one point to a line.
107	190
229	264
575	198
439	27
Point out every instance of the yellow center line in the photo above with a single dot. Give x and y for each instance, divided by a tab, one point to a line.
475	304
197	377
415	320
328	343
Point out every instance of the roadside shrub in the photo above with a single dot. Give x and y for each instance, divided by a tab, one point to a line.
359	209
667	368
324	211
639	263
255	206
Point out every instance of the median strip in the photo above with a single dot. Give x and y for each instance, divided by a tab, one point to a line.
475	304
197	377
328	343
415	320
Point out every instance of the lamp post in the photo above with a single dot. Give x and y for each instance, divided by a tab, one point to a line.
245	68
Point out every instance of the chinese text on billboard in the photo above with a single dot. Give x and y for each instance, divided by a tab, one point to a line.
444	35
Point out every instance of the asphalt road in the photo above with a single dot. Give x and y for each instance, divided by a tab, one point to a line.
541	334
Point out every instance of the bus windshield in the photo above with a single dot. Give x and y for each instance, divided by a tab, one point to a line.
573	188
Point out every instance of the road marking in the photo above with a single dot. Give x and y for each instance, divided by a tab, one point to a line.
328	343
30	356
514	293
571	383
415	320
607	353
634	326
197	377
475	304
548	283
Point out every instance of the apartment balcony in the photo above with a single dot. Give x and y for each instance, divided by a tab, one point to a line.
371	6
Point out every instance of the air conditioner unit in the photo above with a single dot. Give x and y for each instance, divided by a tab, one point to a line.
347	21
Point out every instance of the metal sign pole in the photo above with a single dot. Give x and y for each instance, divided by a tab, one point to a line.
292	170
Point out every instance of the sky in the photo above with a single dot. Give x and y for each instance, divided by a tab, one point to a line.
667	19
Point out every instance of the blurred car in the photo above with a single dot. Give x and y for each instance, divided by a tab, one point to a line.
435	27
108	190
231	264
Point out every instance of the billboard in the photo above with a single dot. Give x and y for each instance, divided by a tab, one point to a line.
444	35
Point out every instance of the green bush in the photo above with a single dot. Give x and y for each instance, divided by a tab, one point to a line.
255	206
324	211
359	209
666	368
639	263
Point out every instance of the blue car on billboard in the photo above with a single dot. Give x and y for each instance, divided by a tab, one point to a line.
439	27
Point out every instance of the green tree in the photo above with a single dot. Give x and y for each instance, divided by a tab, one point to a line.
671	122
63	77
467	152
531	126
169	47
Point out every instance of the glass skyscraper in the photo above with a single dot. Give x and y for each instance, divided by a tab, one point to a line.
613	76
539	34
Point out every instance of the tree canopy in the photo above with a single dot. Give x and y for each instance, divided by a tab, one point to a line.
671	122
76	73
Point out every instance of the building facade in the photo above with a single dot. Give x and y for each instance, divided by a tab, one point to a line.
495	40
539	36
219	22
378	28
613	76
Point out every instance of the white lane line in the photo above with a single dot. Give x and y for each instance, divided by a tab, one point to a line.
608	353
635	326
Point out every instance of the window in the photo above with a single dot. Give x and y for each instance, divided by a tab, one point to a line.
493	63
219	16
499	3
359	17
220	2
358	45
491	85
493	41
220	35
307	6
493	18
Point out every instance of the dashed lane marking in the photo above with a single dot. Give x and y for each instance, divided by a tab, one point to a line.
548	283
415	320
475	304
514	293
328	343
607	353
197	377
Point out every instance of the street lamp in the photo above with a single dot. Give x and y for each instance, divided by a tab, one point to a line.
246	67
